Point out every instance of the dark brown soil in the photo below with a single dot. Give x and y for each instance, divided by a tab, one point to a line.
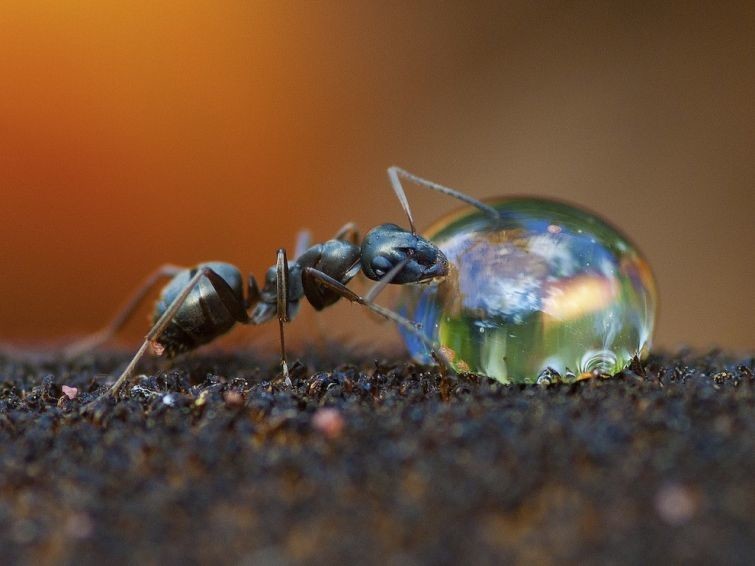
210	462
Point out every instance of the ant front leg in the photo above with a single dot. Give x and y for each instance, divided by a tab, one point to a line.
123	315
338	287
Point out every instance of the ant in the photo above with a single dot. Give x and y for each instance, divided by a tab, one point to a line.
204	302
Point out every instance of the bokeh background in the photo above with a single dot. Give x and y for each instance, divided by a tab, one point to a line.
135	133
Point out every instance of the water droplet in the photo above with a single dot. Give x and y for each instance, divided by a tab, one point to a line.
581	296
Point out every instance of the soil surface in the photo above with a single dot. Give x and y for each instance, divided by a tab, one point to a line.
375	463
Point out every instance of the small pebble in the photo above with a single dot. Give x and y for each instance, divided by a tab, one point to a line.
675	504
70	392
329	422
157	348
233	398
79	525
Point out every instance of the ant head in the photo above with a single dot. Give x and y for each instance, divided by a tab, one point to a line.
387	245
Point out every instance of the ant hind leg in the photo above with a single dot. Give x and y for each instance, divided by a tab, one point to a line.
220	286
123	315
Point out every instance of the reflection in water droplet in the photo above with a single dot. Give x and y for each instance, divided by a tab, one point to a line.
550	286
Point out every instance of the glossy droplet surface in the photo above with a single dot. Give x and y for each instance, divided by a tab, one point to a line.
550	286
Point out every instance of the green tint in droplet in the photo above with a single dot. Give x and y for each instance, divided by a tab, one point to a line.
549	287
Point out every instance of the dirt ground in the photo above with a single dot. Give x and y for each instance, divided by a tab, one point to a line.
375	462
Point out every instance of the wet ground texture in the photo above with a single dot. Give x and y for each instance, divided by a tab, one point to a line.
376	461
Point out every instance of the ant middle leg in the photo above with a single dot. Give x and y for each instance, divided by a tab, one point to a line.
282	272
303	242
348	233
123	315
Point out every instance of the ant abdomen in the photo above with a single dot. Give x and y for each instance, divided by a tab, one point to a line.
204	315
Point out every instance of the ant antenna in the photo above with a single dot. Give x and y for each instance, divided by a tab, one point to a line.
395	173
123	315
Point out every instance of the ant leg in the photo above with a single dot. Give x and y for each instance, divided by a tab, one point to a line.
381	284
303	242
348	233
281	268
252	292
350	295
228	297
377	288
396	173
165	320
123	315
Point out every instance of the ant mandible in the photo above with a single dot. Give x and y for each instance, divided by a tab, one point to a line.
204	302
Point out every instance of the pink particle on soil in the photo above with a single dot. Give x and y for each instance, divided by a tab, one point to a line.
79	525
233	398
676	504
157	348
329	422
70	392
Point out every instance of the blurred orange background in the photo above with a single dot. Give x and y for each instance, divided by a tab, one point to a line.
137	133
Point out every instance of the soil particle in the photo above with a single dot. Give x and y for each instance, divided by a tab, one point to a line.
377	462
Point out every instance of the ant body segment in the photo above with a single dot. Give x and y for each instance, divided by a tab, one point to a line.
201	303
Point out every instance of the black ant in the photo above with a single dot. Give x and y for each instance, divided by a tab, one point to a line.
204	302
